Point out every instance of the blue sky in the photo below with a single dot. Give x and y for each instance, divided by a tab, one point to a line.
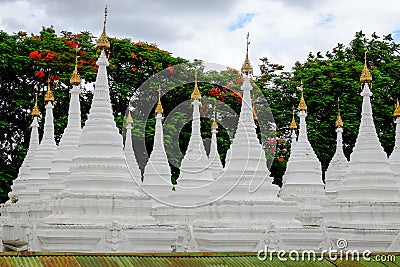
215	31
241	21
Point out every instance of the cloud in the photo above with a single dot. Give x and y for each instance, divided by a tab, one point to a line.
283	30
241	21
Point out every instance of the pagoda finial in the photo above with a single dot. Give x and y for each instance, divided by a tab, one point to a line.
366	76
293	125
246	67
302	104
129	119
159	108
196	93
35	110
103	43
49	97
339	122
396	112
75	77
214	124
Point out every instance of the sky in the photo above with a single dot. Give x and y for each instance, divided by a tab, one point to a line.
215	31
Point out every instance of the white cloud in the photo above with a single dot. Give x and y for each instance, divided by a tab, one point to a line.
284	31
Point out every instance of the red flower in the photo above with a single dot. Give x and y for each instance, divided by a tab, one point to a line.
133	69
71	43
331	74
213	92
49	57
281	159
133	55
95	68
35	55
54	77
39	74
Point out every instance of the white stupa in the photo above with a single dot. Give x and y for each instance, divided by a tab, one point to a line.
245	175
394	158
244	200
369	169
339	163
101	202
195	166
157	173
302	180
367	207
215	160
25	171
68	146
42	162
20	217
99	176
16	213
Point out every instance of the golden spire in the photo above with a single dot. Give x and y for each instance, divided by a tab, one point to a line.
75	77
35	111
397	110
49	97
293	125
159	108
196	93
339	122
214	124
103	43
366	76
246	67
302	104
129	119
